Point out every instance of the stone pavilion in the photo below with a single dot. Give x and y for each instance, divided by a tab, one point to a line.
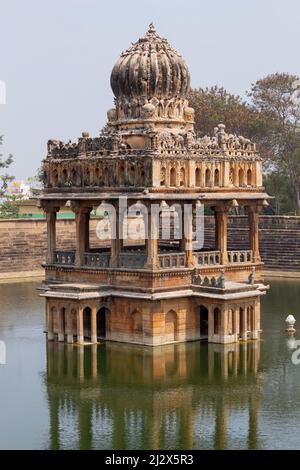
163	286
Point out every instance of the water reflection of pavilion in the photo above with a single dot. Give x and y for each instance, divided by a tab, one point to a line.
173	396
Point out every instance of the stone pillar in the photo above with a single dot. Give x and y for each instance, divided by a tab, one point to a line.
188	234
210	323
70	338
94	325
253	219
51	232
82	217
153	235
254	321
49	322
257	307
221	218
61	329
236	321
224	323
115	241
243	333
80	337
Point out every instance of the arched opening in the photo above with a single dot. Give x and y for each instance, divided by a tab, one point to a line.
74	176
250	319
217	321
182	177
160	110
87	177
198	177
217	178
64	176
55	177
97	176
171	328
74	321
102	322
249	177
122	175
63	320
241	177
87	322
105	176
241	311
207	177
173	177
170	111
203	321
52	320
136	323
163	176
132	174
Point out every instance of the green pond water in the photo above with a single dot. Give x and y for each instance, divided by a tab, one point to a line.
116	396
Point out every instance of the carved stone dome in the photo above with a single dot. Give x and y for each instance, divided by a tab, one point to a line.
152	73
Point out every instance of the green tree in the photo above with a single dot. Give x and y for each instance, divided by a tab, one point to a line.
216	105
277	97
277	184
9	208
5	178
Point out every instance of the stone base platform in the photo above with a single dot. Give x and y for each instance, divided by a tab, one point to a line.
92	312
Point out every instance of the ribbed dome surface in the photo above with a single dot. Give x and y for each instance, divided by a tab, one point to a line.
149	69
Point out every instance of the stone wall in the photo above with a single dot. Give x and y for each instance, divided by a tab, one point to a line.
23	243
279	239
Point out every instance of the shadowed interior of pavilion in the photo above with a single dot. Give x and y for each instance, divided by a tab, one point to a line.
170	245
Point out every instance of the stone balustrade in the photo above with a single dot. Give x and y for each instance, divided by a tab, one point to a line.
97	260
207	258
244	256
64	257
172	260
134	259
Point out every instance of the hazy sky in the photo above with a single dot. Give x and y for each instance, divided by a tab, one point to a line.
56	57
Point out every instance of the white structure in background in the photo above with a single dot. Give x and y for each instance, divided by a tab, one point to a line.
2	92
21	189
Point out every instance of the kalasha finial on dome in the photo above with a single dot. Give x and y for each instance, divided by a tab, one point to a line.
150	79
151	28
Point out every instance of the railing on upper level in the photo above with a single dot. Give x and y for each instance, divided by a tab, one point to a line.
207	258
172	260
134	259
240	256
97	260
64	257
